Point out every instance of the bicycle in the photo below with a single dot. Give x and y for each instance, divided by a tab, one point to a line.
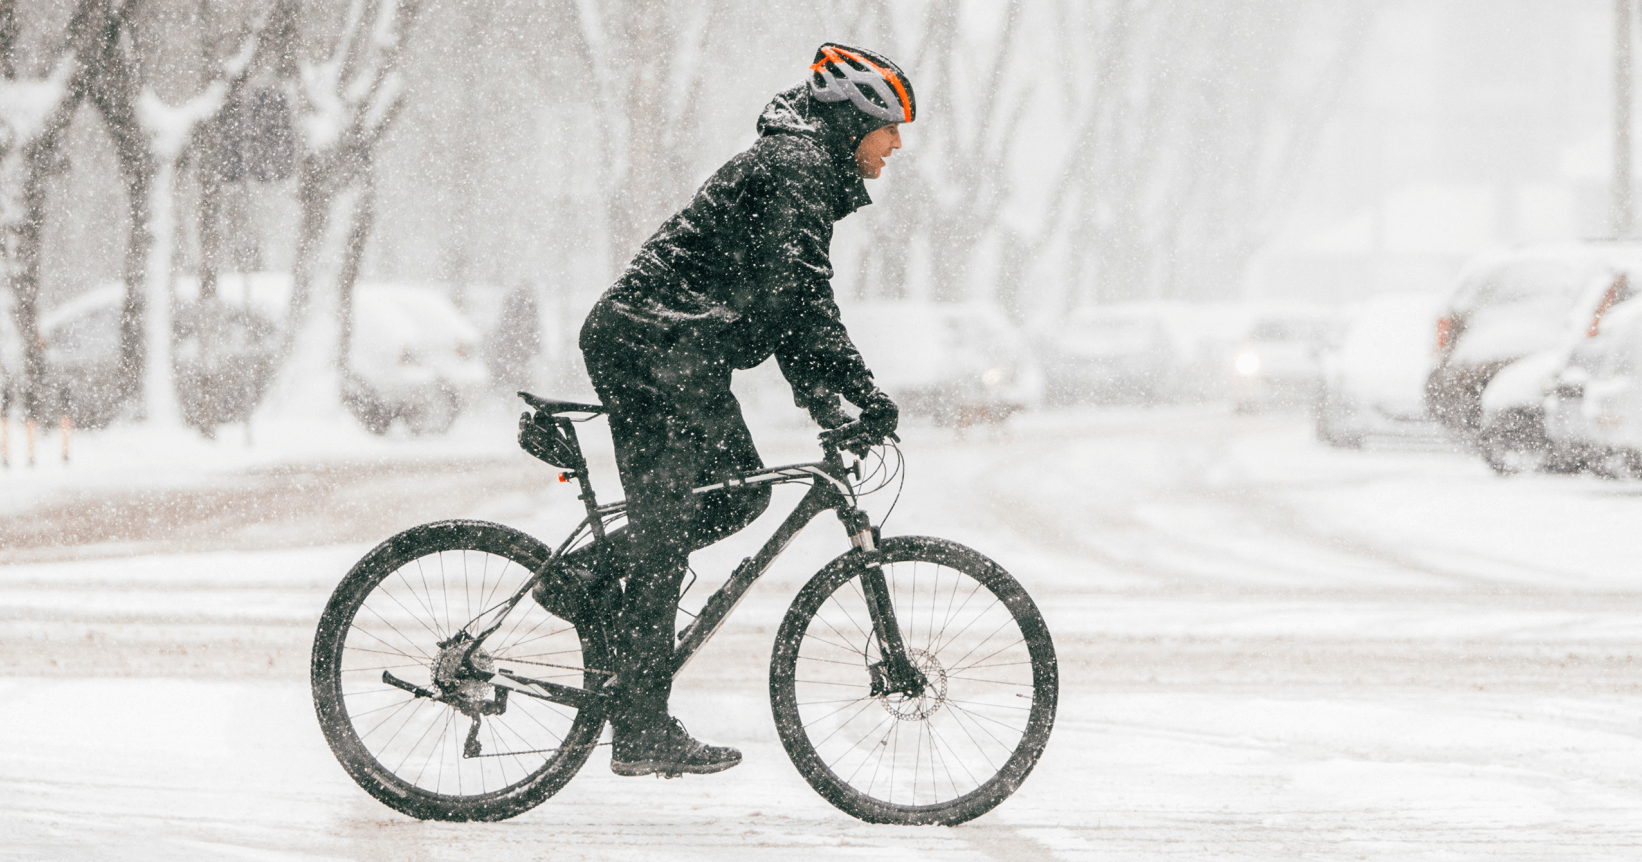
913	680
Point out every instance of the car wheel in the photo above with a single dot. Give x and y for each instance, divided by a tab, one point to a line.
1515	442
365	406
437	416
1614	464
1329	430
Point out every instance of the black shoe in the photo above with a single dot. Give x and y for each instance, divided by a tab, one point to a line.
668	750
603	595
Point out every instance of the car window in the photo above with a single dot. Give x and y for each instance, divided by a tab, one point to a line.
1528	281
96	331
1287	330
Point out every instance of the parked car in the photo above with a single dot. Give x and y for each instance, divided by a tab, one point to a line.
1374	377
223	354
82	357
1506	305
1279	363
1594	408
226	349
1111	354
414	359
960	364
1512	437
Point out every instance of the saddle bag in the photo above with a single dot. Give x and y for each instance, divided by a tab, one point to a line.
552	439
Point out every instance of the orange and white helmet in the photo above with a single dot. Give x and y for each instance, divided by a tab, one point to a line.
873	84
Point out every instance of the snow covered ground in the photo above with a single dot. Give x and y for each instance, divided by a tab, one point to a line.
1269	649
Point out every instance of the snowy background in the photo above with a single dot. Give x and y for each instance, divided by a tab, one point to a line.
1270	647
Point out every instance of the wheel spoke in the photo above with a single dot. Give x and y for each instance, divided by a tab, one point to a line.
924	755
412	749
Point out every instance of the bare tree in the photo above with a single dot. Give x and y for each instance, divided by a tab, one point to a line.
34	114
348	100
648	67
954	186
1191	125
150	139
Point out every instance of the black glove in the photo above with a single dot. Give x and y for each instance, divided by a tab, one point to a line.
879	416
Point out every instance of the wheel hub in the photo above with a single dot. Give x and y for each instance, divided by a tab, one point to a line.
461	686
929	697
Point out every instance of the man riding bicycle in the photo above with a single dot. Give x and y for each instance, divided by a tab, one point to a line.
741	274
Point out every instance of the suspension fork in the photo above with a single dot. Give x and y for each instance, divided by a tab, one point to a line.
894	673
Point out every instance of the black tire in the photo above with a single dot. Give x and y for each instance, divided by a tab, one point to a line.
1614	464
1515	442
390	614
1329	430
436	416
977	737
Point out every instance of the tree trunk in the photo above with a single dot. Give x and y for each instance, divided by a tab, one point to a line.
160	404
641	200
26	278
134	313
364	216
210	212
317	192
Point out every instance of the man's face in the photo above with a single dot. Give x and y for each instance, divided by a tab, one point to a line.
874	148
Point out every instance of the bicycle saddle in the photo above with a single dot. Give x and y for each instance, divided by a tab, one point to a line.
554	408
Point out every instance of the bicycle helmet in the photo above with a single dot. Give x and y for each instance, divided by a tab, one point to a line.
869	81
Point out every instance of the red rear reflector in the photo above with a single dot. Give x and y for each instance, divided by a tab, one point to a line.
564	477
1445	327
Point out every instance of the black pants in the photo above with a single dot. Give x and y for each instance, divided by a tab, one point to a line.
676	427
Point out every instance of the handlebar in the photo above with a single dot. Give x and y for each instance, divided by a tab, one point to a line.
854	437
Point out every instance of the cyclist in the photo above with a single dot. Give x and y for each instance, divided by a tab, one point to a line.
740	274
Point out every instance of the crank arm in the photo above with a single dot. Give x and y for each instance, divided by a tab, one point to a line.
580	698
413	688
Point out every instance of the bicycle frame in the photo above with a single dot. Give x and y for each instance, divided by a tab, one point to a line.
830	489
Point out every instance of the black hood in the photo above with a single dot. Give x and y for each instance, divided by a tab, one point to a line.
838	127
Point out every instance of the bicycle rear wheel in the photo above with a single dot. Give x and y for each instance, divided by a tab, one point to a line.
969	739
413	730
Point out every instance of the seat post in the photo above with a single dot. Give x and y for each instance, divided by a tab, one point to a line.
589	501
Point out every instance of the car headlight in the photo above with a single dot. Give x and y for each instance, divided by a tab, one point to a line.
1248	363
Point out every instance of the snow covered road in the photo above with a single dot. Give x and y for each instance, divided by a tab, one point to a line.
1268	650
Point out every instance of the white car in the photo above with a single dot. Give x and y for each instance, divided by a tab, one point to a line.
1513	436
1507	304
1111	354
1279	363
1594	408
959	363
226	351
82	355
413	358
1374	378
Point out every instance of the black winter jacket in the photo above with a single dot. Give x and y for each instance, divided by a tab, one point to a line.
743	271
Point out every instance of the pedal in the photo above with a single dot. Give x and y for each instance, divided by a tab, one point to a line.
417	690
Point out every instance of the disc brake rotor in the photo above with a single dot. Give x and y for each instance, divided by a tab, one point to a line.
929	700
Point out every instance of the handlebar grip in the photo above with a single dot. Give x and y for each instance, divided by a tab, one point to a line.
854	437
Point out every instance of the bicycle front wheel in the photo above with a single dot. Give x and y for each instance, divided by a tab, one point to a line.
407	723
960	746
